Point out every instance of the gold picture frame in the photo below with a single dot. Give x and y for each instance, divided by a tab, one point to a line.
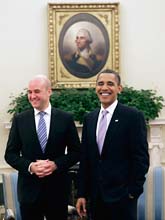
100	24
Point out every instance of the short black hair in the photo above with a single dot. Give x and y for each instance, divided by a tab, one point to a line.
117	76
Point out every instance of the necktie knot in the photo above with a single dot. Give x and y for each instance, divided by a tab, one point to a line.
42	114
104	113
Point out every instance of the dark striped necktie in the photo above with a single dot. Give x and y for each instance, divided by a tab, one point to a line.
42	134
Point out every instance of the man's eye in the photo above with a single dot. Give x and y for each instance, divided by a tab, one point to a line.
110	84
100	83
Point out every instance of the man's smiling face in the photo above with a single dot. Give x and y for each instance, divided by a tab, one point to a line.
107	88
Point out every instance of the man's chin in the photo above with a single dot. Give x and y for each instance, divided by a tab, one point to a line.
104	100
105	103
35	106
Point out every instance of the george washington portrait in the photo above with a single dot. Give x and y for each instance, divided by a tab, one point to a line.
83	45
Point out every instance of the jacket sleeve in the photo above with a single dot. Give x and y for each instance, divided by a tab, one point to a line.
139	155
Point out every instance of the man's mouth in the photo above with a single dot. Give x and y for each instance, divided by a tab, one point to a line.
105	93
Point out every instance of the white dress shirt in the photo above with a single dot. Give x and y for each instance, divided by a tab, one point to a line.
110	111
47	118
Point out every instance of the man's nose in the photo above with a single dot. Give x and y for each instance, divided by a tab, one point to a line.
32	95
104	86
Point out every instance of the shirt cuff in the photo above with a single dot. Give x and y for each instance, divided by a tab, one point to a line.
29	168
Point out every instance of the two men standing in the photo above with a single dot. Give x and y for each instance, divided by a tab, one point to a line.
113	159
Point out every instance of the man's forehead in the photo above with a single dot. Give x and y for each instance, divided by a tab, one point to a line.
80	34
106	76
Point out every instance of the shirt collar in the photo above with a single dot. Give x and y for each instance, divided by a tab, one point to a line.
47	110
110	108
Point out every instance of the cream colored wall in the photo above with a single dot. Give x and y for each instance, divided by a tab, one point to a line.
24	48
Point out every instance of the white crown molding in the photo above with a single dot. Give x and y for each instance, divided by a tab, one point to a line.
7	125
158	121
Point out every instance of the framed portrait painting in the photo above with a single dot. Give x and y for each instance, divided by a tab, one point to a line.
83	40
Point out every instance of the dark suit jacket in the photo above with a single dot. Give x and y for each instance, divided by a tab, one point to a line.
124	161
23	147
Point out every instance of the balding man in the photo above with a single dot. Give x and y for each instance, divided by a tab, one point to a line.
36	148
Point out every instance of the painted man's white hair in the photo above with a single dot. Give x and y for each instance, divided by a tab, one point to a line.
86	34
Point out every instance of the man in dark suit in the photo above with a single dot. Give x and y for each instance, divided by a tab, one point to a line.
112	177
42	173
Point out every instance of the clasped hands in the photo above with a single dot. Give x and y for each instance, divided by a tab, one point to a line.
43	168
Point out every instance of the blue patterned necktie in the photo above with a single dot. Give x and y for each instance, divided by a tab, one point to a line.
42	134
102	130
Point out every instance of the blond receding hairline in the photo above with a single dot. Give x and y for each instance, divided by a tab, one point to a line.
42	78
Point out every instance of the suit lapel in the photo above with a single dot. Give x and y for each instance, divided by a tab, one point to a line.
31	127
113	126
53	124
115	120
31	122
93	126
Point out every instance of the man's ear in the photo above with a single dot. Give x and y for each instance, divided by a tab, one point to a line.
120	88
50	92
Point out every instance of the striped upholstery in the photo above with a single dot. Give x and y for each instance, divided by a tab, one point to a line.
12	211
151	204
10	195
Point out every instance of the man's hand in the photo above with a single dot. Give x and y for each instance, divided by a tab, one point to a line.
81	207
43	168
